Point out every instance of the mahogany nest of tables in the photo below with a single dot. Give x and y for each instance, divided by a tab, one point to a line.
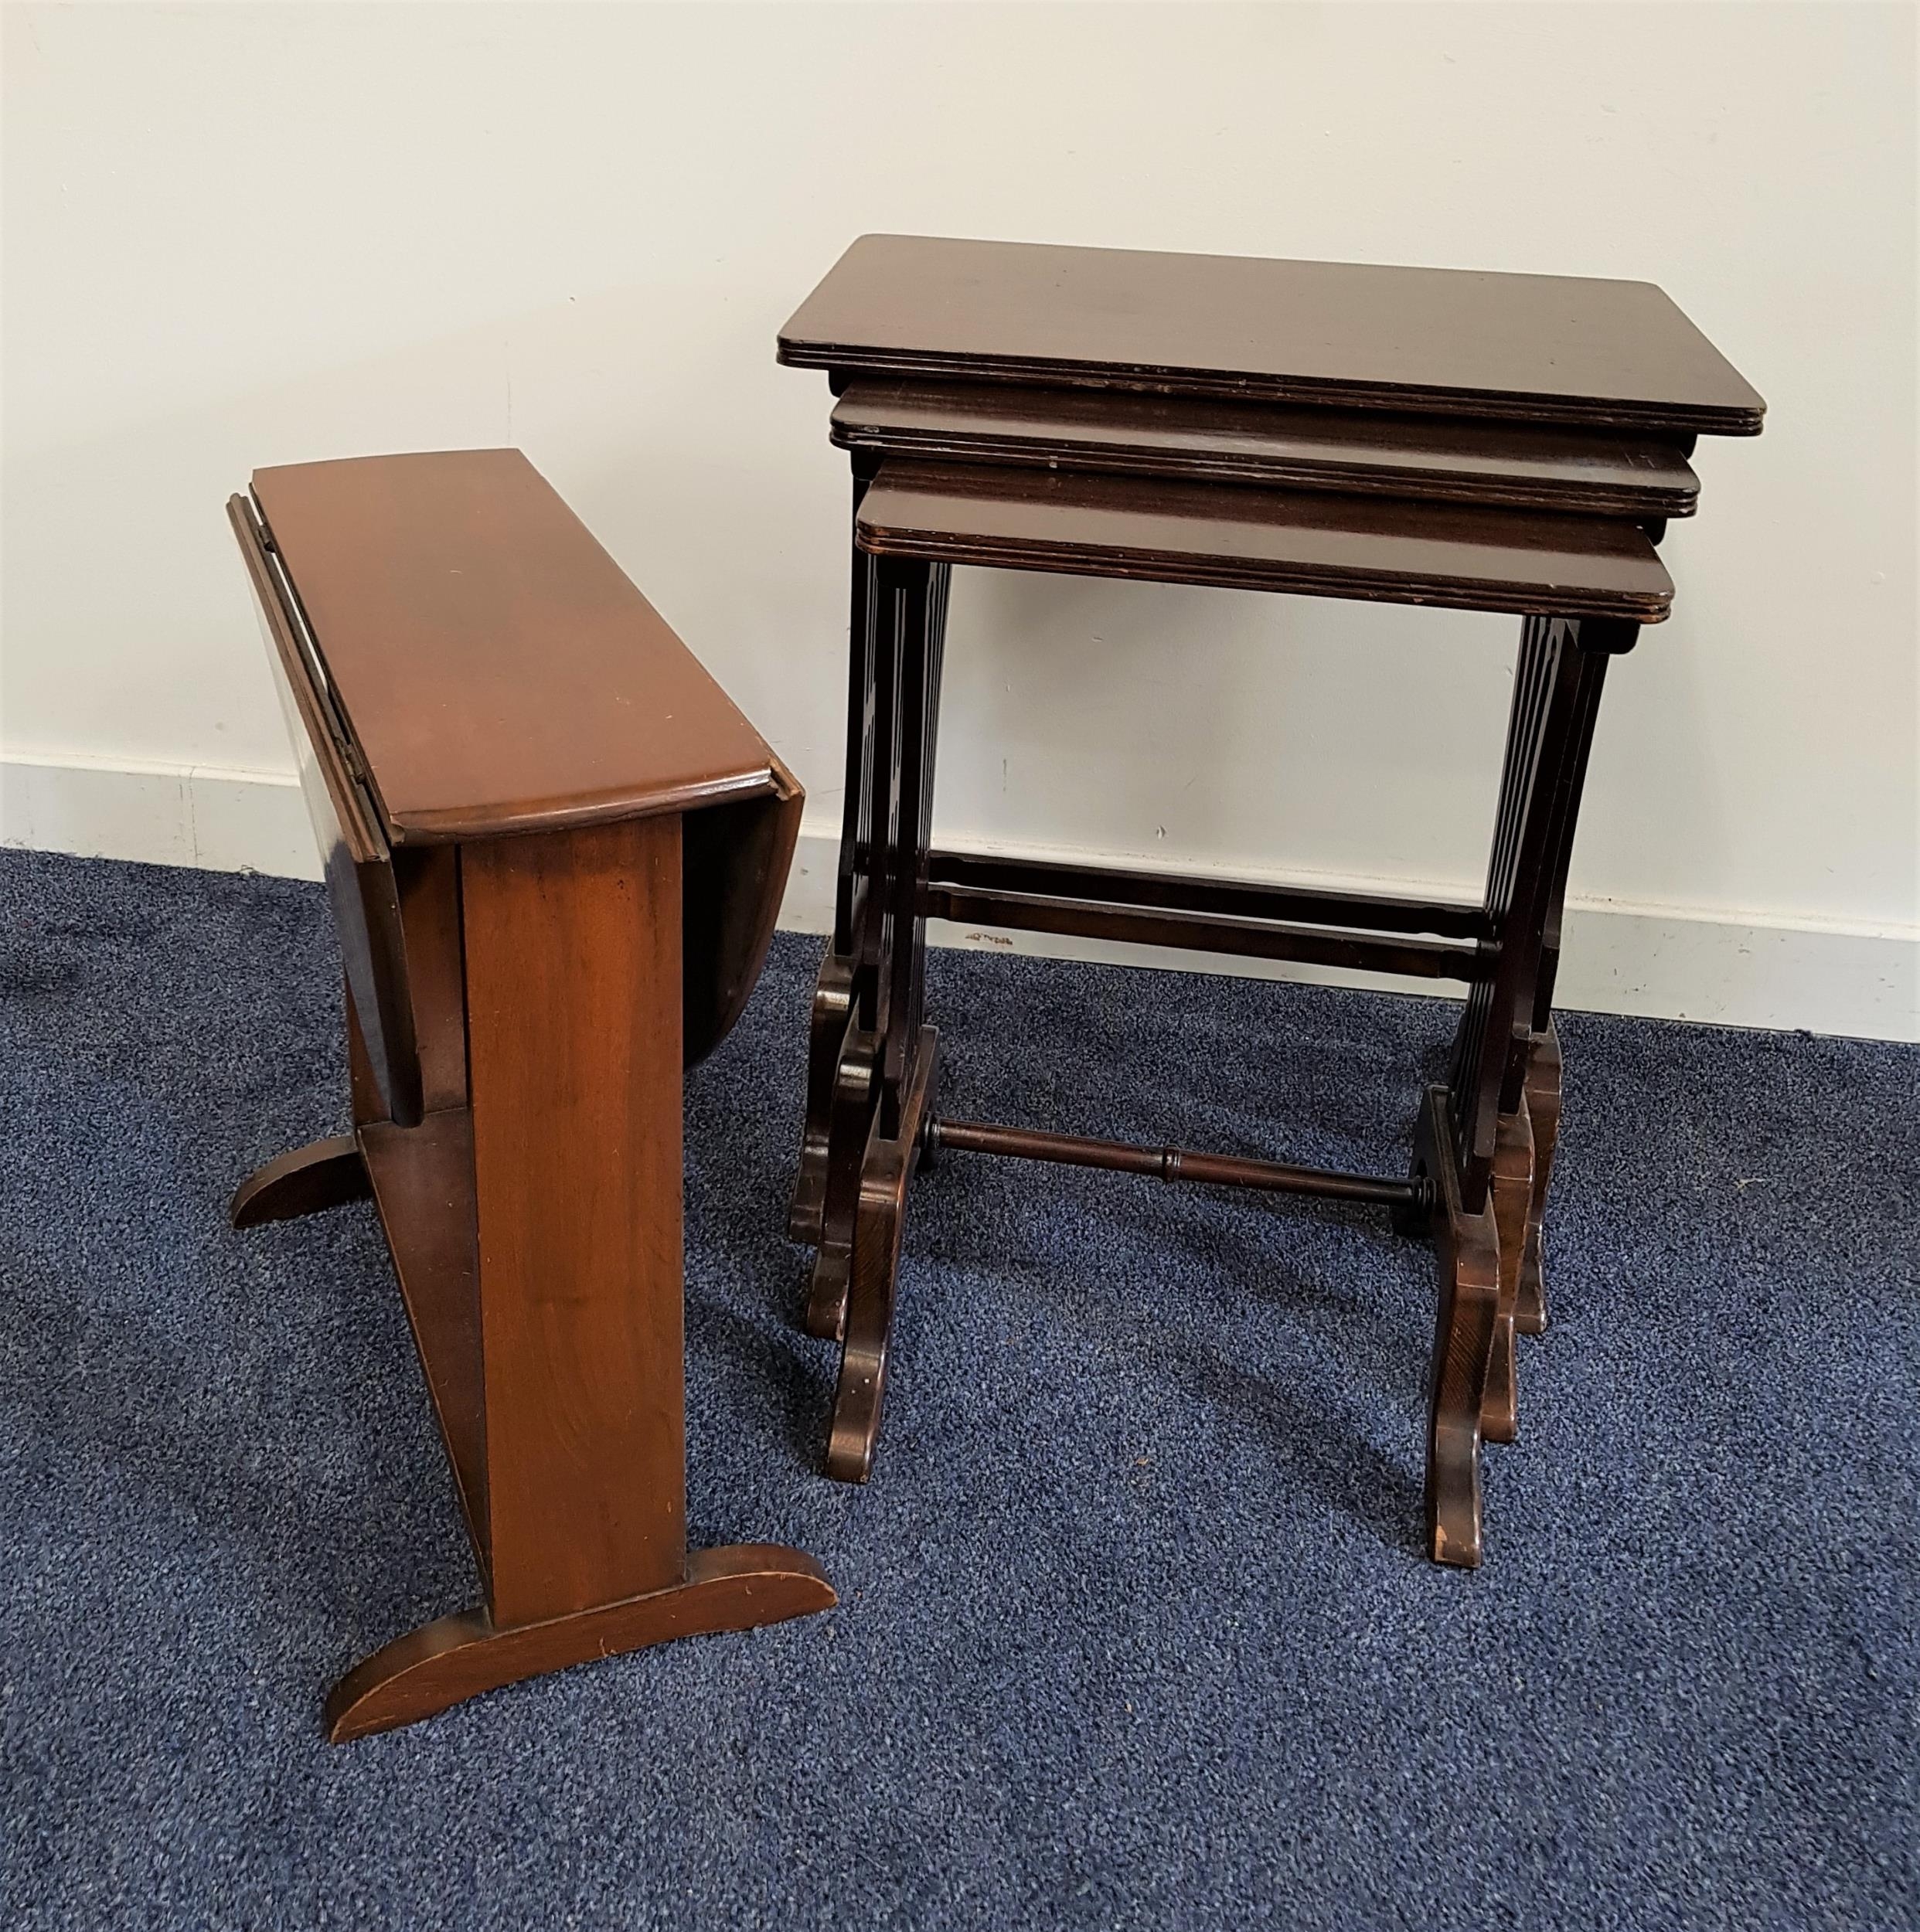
1492	442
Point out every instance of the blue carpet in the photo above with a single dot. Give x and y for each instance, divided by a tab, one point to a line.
1134	1631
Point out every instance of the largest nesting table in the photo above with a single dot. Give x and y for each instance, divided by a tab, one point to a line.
1500	442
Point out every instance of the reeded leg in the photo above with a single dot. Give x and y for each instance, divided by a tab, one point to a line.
740	1587
1481	1222
321	1175
854	942
1542	1107
874	1277
883	1074
1467	1247
1511	1195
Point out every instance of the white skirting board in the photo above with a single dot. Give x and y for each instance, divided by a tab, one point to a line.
1667	962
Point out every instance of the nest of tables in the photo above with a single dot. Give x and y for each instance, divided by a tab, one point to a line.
1488	442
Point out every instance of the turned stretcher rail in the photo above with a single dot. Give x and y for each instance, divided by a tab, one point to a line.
1203	932
1172	1163
1234	899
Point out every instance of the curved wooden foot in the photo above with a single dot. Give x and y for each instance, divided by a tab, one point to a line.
1468	1250
827	1033
875	1275
1511	1197
1542	1107
321	1175
739	1587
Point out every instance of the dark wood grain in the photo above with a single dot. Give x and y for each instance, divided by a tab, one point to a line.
1544	348
828	1021
1203	932
852	1107
1168	1164
1596	472
573	990
427	880
496	668
1325	546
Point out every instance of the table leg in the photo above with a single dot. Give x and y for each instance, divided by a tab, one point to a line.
854	980
909	601
1541	1079
1466	1250
868	1319
1490	1137
835	994
852	1107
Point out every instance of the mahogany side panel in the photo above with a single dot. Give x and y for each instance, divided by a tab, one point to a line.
574	998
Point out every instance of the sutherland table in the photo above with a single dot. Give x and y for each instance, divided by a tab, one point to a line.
1500	443
554	851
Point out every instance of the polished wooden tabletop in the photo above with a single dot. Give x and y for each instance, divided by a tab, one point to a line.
497	669
1313	543
1601	472
1545	347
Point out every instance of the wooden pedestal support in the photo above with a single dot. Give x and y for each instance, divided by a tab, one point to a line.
534	1216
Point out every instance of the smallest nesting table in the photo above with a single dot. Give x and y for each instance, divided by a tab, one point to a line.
554	851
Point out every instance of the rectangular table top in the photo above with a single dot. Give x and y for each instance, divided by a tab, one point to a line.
1317	544
498	671
1596	472
1545	347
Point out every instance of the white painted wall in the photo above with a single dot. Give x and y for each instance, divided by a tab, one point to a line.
243	234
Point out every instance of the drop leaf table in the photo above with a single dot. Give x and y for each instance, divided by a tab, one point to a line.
554	852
